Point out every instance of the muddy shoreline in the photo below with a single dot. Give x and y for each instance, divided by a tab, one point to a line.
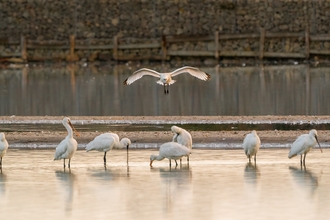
235	136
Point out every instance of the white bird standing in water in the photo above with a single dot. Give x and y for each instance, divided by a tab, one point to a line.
171	151
303	144
183	137
166	78
67	148
106	142
3	147
251	145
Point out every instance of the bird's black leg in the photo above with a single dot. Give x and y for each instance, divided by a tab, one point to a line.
64	163
0	162
255	158
170	162
105	159
249	159
127	155
69	163
176	163
301	162
304	159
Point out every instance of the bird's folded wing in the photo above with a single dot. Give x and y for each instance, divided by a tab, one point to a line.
192	71
139	73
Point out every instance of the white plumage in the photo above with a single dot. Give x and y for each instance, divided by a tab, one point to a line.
251	145
166	78
171	151
106	142
303	144
67	148
3	147
183	137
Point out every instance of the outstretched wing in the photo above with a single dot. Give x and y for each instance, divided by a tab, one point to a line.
139	73
192	71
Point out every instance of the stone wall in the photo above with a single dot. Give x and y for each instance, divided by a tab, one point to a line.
130	20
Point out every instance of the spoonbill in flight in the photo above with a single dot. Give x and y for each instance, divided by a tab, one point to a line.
303	144
165	79
106	142
67	148
251	145
171	151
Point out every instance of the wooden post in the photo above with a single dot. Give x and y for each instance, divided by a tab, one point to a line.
216	42
72	45
23	48
115	48
307	42
261	43
164	48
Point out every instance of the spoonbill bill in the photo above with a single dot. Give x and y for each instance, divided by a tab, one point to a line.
67	148
183	137
3	147
165	79
303	144
251	145
106	142
171	151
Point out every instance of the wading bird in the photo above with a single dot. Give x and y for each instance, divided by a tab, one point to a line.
303	144
166	78
106	142
251	145
183	137
171	151
3	147
67	148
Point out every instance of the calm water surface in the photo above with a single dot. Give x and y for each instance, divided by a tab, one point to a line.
218	184
80	90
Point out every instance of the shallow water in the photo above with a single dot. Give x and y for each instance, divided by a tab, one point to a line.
218	184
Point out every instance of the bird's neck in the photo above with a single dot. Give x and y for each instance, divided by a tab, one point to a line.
69	129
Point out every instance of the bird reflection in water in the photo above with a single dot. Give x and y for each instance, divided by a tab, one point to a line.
251	173
67	182
176	182
3	180
305	177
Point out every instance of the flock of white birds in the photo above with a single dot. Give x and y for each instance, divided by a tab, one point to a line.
180	146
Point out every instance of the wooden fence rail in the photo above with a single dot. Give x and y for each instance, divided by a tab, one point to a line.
164	45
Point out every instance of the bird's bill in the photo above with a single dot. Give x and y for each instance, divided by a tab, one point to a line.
75	131
319	144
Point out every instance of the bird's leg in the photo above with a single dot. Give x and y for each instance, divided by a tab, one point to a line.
0	162
176	163
170	162
127	155
69	163
304	158
188	159
249	159
180	161
301	160
255	158
64	163
105	159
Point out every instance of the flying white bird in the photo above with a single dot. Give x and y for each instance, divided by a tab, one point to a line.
171	151
67	148
303	144
106	142
183	137
251	145
3	147
166	78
